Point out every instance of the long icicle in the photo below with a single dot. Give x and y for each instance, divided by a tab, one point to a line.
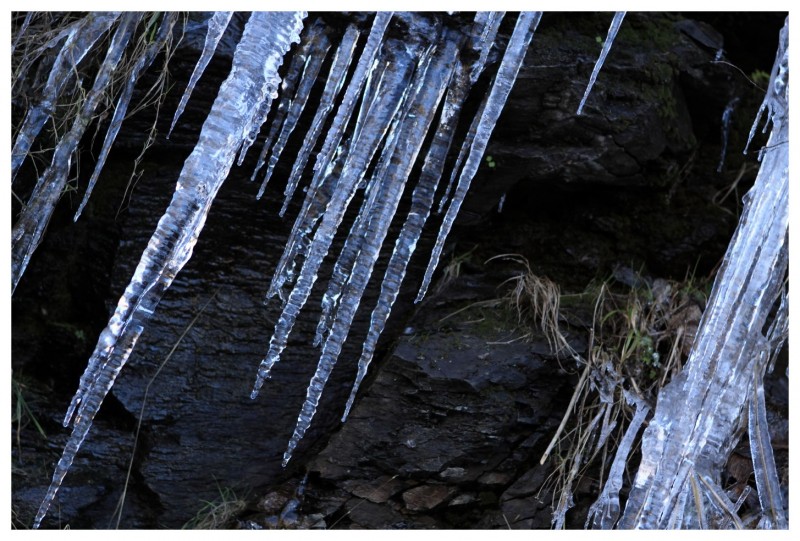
266	38
333	85
504	80
28	231
304	222
304	68
217	24
355	166
612	33
144	61
429	88
483	36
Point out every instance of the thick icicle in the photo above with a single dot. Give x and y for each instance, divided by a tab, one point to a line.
33	220
333	85
81	39
144	61
217	24
314	56
693	430
484	32
304	223
612	33
428	90
266	38
504	80
358	159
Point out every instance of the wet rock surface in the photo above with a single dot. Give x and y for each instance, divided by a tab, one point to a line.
449	427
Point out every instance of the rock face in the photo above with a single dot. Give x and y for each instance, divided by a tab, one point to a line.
449	430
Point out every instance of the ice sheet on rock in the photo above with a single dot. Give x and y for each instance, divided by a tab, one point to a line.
333	85
82	38
504	80
266	38
694	425
312	58
33	220
612	33
400	61
217	24
426	92
121	109
305	221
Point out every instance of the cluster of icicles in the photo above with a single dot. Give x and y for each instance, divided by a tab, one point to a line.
404	87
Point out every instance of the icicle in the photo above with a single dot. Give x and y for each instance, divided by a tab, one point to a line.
429	88
395	85
81	39
775	100
484	32
466	146
504	80
32	222
421	202
216	28
694	425
352	246
22	29
144	61
764	471
304	223
727	114
333	85
266	38
612	33
491	21
315	55
603	513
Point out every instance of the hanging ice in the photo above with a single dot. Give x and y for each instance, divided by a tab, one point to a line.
312	208
612	33
144	61
306	64
421	201
82	37
504	80
426	91
362	150
484	33
693	429
333	85
33	220
266	38
727	114
216	28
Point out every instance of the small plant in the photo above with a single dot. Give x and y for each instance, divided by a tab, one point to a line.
21	412
214	515
490	163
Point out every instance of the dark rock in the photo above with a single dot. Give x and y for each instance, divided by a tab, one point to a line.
425	497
